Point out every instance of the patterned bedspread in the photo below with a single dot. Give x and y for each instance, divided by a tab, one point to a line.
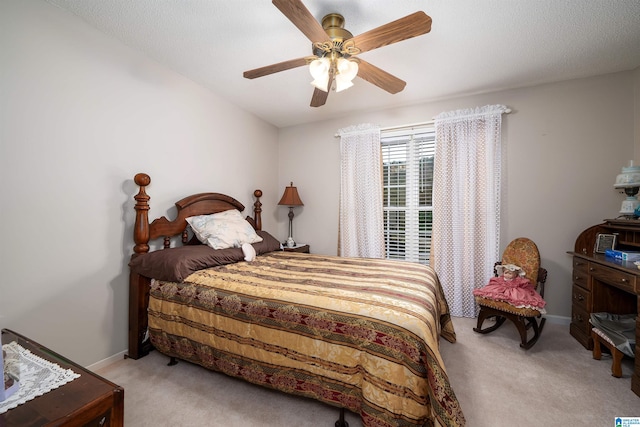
361	334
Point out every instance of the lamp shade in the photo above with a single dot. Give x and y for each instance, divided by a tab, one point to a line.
342	83
347	69
290	197
630	177
319	70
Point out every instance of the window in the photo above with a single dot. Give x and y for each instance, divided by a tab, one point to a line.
407	159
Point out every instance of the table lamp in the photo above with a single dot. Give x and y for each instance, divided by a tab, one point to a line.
629	180
290	198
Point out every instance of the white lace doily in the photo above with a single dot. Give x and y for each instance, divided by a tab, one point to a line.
36	375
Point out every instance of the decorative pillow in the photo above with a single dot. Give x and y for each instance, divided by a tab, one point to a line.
176	264
249	252
223	230
268	244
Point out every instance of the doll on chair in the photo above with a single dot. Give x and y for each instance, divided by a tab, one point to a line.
512	287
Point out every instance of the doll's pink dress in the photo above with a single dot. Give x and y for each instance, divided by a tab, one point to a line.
518	292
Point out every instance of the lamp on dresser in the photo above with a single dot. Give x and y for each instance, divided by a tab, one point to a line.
629	181
292	199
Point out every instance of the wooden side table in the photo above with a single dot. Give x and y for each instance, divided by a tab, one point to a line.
298	248
89	400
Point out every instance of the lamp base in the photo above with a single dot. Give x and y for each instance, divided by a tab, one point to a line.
290	242
629	206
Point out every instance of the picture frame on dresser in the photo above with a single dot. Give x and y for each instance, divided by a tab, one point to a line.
604	242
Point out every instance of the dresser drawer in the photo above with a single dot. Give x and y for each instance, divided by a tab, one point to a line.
581	298
611	276
580	264
581	336
581	278
580	320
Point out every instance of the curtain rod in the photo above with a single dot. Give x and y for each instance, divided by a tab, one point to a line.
506	111
337	135
412	125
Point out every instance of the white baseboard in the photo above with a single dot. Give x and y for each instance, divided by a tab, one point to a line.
558	320
108	361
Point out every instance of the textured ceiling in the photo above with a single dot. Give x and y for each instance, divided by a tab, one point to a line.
474	46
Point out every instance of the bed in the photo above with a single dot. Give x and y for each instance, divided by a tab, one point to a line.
359	334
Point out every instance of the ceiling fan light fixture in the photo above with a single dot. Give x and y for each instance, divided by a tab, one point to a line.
319	69
347	69
342	83
322	84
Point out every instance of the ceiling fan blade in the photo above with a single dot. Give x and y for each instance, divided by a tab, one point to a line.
319	97
379	77
275	68
413	25
300	16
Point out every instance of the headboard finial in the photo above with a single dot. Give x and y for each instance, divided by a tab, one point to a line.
142	179
257	209
141	226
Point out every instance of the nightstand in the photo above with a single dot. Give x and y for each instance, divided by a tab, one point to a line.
297	248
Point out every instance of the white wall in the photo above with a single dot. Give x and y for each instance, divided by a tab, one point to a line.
80	115
565	144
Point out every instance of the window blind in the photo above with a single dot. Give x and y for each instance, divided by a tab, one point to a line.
407	158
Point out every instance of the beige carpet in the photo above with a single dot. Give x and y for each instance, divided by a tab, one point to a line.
556	383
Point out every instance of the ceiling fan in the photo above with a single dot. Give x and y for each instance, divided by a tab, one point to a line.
334	50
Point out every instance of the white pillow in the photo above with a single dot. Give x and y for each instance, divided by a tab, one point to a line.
223	230
249	252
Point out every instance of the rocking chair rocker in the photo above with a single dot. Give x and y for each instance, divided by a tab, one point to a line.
522	252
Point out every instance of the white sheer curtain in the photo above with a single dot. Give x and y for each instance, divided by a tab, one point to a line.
361	231
466	200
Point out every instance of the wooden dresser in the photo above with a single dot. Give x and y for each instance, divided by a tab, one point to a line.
601	284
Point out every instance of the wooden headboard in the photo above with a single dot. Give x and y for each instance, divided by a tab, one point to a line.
196	204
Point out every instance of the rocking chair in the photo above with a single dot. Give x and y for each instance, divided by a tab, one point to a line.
524	253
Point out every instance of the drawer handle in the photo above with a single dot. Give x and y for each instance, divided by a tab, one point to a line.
577	317
624	280
102	421
578	297
591	269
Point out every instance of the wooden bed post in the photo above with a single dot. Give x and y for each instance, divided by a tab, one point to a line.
141	227
139	285
257	209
